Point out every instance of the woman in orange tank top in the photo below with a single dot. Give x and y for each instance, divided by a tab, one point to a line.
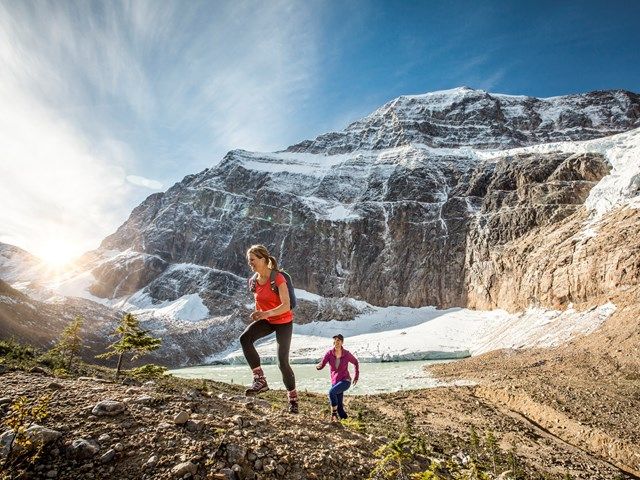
272	314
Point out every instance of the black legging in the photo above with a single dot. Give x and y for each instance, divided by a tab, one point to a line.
262	328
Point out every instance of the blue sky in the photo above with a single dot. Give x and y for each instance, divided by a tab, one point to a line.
105	103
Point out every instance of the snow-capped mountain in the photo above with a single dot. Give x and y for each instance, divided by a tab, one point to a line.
463	117
449	199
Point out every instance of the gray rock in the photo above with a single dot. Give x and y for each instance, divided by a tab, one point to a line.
39	370
5	401
3	369
42	435
143	399
228	474
181	418
238	420
151	463
182	469
52	474
194	425
105	437
5	440
37	435
109	408
236	453
82	449
108	456
55	386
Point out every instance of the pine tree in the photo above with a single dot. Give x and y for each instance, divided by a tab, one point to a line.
70	343
133	340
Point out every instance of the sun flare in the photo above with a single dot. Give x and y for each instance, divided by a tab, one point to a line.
57	253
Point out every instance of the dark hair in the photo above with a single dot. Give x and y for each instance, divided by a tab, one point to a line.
261	251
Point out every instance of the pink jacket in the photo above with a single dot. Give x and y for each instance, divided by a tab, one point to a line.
342	372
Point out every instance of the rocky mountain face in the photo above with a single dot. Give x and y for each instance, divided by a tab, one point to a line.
467	117
348	212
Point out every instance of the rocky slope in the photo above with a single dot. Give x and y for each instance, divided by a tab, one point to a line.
585	394
203	430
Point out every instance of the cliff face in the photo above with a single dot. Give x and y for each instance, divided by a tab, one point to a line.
561	263
392	210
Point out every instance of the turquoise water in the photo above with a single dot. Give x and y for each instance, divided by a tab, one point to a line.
374	377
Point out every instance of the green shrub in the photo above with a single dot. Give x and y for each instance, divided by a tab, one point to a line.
149	371
14	352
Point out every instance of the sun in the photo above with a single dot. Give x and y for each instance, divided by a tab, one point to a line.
57	253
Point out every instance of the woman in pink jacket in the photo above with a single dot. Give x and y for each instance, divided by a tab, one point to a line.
338	359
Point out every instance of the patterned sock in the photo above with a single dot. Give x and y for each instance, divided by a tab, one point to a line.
292	395
258	373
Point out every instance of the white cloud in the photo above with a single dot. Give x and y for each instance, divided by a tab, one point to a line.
94	91
144	182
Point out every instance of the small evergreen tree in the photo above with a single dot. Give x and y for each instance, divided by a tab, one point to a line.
70	343
133	340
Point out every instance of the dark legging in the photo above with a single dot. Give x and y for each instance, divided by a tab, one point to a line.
260	329
336	396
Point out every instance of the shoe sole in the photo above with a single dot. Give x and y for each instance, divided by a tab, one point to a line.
253	393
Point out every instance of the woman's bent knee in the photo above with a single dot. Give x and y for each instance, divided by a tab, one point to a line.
245	339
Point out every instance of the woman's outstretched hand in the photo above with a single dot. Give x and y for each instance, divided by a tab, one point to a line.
319	366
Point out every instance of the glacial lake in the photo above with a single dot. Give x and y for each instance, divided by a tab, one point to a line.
374	377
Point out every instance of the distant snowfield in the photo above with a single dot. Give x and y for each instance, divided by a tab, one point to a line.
402	333
376	335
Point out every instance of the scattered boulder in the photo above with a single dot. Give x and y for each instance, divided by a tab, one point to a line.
143	399
108	456
5	440
82	449
109	408
225	474
36	434
151	463
181	418
42	435
39	370
236	453
194	425
182	469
